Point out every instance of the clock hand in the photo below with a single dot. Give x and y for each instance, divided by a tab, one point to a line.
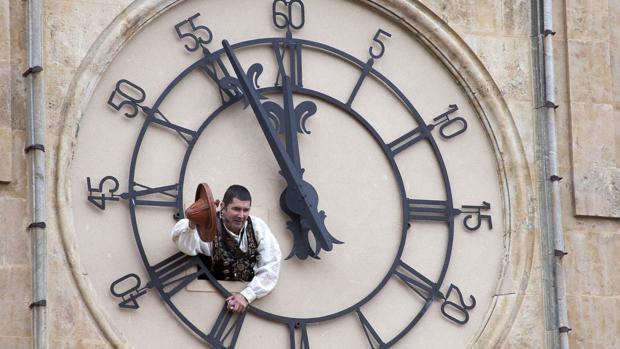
301	197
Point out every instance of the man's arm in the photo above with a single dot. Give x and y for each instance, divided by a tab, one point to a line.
187	240
267	268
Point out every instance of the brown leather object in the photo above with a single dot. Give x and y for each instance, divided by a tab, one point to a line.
203	213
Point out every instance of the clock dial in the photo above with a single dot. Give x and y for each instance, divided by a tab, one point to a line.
376	169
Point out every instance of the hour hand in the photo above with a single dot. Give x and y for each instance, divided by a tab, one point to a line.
301	197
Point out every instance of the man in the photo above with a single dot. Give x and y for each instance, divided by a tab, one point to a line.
242	249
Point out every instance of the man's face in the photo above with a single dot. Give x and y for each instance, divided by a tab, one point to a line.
235	214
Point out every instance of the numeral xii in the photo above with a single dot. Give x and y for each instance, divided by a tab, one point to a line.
294	53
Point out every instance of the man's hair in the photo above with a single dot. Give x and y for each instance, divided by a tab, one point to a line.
238	192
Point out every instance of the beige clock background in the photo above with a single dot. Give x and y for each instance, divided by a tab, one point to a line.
477	55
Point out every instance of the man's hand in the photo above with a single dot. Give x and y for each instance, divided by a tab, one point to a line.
236	303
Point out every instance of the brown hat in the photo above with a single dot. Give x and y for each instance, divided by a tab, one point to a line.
203	213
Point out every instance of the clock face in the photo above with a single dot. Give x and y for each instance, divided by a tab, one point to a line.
362	154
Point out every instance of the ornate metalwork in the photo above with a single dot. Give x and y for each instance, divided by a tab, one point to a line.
174	273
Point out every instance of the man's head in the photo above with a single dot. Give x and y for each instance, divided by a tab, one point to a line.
235	207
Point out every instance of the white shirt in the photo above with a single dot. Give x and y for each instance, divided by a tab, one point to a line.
267	267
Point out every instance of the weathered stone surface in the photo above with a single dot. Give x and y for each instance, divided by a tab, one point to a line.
69	319
596	178
6	154
508	61
15	342
593	131
589	70
587	20
485	17
5	67
78	343
594	321
15	283
18	188
614	42
597	191
528	331
18	64
14	238
66	21
467	14
5	43
591	263
524	115
15	287
515	15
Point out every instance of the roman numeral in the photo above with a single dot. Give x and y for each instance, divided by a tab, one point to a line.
372	336
216	70
304	343
167	193
419	283
295	71
226	329
185	133
407	140
360	80
430	210
170	274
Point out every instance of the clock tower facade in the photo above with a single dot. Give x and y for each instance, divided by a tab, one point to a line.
393	147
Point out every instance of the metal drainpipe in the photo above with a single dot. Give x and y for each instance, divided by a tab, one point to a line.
36	165
552	165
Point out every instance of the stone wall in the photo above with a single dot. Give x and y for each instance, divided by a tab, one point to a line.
590	148
587	46
15	269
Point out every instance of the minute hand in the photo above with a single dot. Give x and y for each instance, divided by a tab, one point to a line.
291	173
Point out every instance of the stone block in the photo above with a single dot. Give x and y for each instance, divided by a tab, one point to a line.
508	59
515	17
589	68
18	96
5	32
593	135
19	318
597	192
590	265
16	284
15	342
6	154
596	176
17	9
79	343
5	93
614	41
16	290
587	20
594	322
18	188
14	237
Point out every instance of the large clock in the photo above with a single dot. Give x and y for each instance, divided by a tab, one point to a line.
364	156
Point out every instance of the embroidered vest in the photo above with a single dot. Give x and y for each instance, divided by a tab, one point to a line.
229	262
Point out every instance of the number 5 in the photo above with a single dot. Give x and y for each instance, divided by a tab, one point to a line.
378	41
